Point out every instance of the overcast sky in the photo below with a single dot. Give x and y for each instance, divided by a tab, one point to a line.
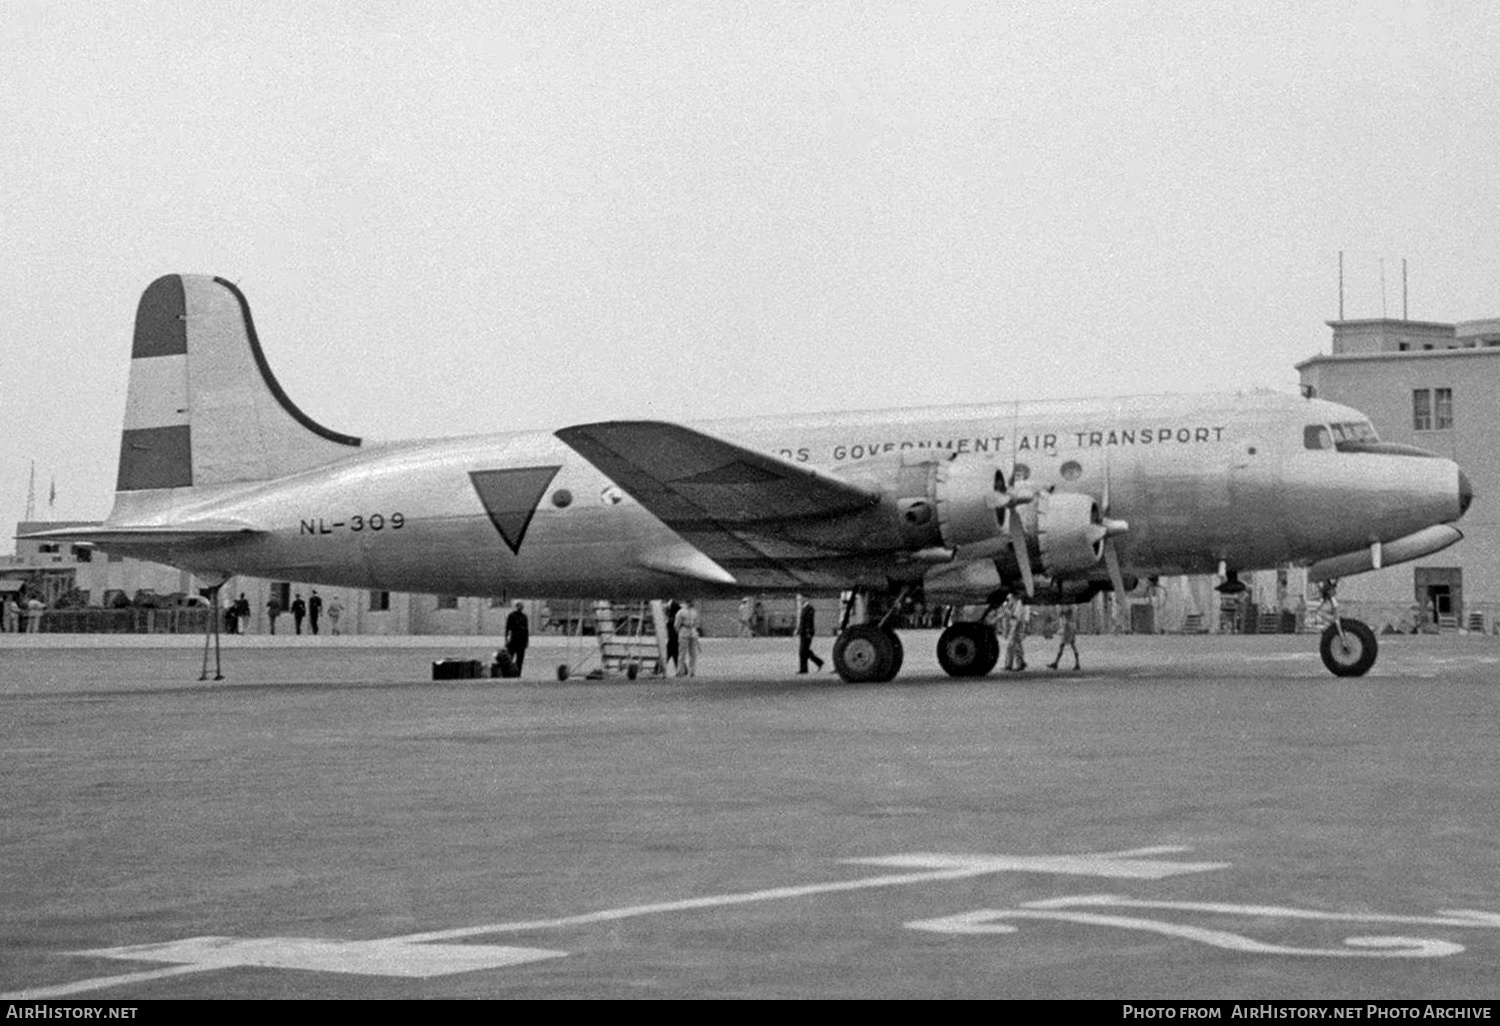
453	217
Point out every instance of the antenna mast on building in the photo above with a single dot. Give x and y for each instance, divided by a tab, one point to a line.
31	494
1403	289
1341	284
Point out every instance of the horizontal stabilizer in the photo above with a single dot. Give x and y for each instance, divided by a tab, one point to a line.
199	531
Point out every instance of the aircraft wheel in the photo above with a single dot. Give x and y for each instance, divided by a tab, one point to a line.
968	649
899	656
1352	655
562	671
865	654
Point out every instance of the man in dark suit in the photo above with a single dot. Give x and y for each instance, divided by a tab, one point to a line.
806	629
517	636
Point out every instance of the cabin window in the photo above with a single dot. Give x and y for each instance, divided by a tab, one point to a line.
1421	409
1317	436
1072	470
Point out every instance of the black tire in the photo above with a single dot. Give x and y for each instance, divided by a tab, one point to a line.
899	655
562	671
968	649
1352	655
865	654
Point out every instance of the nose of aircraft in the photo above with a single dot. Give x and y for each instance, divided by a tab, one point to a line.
1465	493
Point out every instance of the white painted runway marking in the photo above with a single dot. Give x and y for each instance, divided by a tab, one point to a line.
418	952
393	957
1128	864
993	921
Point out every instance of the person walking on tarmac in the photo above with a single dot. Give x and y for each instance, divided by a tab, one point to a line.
687	640
299	610
806	631
1015	653
674	641
517	636
1067	636
314	610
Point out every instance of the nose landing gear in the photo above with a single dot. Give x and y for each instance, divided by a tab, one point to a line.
1348	646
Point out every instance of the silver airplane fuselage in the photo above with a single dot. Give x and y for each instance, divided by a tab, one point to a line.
1203	482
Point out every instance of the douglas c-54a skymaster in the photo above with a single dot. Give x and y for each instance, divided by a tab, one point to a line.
220	473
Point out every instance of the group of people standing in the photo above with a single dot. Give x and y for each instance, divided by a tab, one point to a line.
22	615
237	613
682	637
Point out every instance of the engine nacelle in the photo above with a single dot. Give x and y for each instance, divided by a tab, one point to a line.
956	505
1069	531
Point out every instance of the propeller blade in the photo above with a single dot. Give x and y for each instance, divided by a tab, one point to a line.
1116	578
1018	545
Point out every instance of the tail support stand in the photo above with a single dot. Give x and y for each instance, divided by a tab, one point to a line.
212	631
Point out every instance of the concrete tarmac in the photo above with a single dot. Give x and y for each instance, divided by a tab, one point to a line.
1188	818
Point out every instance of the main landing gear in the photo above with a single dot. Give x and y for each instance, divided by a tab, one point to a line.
968	649
871	653
868	653
1348	646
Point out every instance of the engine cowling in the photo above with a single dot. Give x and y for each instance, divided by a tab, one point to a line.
1069	530
952	505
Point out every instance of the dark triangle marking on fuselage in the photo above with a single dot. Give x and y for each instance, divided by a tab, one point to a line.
511	497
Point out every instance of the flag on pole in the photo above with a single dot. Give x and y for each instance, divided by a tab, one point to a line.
52	495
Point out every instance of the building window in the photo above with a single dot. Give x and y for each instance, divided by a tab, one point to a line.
1421	409
83	554
1442	408
380	601
447	602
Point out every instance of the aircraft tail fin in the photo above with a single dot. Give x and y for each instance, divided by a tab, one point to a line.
203	407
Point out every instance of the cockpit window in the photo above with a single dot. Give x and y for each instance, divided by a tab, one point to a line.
1354	431
1345	436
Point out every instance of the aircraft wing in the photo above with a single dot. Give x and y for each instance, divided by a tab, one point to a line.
724	499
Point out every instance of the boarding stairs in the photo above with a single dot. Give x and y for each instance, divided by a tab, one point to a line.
631	641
